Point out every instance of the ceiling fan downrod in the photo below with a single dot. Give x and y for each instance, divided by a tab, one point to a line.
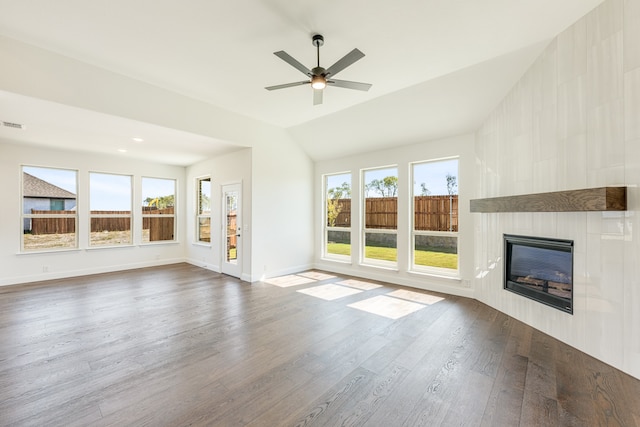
319	78
318	41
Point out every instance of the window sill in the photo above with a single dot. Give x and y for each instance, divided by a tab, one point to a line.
162	242
393	268
204	245
346	261
93	248
50	251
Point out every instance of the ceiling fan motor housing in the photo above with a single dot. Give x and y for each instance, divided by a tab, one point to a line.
317	40
318	71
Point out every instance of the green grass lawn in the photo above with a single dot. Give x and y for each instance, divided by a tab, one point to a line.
424	258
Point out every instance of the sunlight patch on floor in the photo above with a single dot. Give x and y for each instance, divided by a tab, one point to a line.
392	308
359	284
415	296
290	280
316	275
329	292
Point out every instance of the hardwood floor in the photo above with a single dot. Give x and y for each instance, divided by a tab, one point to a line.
180	345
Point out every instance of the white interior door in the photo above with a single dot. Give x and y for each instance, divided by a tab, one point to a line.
232	230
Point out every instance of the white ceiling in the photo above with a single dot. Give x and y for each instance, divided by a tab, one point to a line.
438	67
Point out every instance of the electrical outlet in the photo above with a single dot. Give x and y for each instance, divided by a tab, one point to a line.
45	268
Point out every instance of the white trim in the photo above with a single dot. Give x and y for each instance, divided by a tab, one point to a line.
202	264
283	272
446	285
85	272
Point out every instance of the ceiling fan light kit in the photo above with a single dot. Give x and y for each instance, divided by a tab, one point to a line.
319	77
318	82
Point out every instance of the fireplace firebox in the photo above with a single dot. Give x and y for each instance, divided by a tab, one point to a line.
540	269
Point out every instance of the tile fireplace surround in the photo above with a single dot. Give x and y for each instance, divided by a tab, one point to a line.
571	122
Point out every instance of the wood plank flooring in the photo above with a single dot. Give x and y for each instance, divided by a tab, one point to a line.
179	345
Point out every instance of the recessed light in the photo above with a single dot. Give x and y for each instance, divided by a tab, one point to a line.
137	139
122	150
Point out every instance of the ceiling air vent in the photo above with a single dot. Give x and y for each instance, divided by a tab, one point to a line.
13	125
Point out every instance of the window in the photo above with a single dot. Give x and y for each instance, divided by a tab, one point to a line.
110	209
57	204
158	209
380	189
337	230
435	216
49	214
203	216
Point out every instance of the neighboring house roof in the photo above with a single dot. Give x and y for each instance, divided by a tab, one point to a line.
35	187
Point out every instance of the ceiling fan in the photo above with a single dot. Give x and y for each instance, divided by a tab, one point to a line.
320	77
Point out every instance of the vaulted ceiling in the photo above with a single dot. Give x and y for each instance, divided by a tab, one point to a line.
437	67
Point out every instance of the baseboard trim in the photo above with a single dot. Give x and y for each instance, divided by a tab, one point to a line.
86	271
423	282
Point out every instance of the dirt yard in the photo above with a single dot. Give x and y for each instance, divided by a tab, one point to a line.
67	240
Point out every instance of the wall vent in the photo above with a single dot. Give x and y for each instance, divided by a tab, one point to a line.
13	125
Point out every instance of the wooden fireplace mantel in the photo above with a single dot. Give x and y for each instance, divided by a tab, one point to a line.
588	199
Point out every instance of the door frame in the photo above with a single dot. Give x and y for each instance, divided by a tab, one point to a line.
231	268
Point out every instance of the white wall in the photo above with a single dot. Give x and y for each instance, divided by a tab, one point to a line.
277	208
572	121
462	146
282	197
282	174
231	168
27	267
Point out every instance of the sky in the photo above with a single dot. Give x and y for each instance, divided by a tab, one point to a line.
433	174
108	192
62	178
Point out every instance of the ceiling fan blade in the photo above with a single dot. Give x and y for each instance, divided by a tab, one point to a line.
349	85
306	82
317	96
293	62
343	63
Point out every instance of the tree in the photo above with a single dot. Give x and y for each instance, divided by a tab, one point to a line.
341	192
424	191
161	202
205	203
452	184
386	187
333	205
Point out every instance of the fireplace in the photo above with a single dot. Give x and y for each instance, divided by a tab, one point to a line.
540	269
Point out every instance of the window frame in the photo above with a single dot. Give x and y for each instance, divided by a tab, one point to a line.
325	220
31	216
373	262
413	267
151	216
199	211
111	215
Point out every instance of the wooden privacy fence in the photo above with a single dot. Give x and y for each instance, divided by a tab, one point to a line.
232	229
381	212
432	213
160	228
110	223
52	225
436	213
